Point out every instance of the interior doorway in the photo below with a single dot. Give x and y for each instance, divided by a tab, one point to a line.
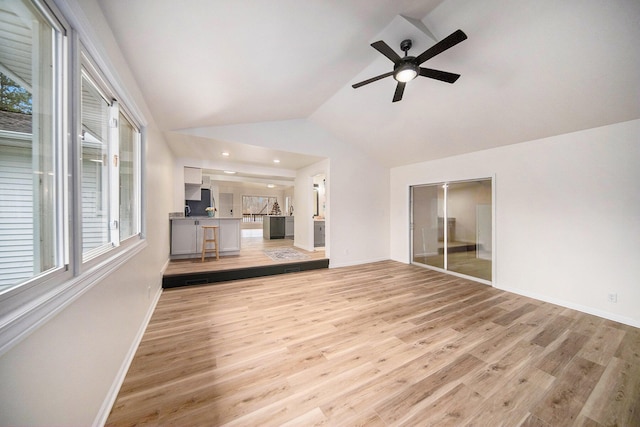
452	227
319	210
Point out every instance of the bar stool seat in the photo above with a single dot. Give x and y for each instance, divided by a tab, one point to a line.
206	239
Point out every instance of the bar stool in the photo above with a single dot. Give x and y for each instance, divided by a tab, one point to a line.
214	240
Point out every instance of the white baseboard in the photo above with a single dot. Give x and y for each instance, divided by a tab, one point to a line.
589	310
164	267
110	399
305	248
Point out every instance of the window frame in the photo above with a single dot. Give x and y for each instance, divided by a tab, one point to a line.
27	306
88	65
137	152
89	74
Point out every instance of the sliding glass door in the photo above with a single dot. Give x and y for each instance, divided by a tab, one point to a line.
428	225
451	227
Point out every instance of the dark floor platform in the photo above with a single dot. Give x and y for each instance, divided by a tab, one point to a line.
207	277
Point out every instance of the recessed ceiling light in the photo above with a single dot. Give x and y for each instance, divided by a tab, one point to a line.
270	185
229	172
276	161
225	154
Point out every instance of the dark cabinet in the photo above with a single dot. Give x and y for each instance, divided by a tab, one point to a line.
318	233
273	227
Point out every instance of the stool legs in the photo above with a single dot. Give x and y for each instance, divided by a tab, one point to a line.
214	240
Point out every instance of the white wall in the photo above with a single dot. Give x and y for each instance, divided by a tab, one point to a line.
358	186
66	372
567	216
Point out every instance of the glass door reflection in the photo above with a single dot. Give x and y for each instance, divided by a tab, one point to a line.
452	227
428	208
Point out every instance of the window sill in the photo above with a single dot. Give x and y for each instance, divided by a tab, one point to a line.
24	312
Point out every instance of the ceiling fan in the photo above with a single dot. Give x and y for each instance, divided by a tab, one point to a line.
408	68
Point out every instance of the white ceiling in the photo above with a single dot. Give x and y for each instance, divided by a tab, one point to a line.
530	69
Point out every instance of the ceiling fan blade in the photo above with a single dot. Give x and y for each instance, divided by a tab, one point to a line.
439	75
444	44
384	49
372	79
399	91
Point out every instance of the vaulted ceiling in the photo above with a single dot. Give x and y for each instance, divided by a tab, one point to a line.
529	69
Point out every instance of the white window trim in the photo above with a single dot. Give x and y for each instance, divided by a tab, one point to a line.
114	174
96	78
23	312
25	308
74	14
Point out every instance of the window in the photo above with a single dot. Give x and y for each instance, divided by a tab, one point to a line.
70	166
110	157
129	178
30	176
95	167
255	207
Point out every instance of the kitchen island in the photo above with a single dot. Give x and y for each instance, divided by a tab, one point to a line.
277	227
186	236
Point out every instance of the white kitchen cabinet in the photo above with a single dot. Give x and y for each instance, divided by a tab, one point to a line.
192	192
192	175
183	236
187	235
229	234
192	183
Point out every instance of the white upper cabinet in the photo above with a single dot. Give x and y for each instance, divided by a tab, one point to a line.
192	175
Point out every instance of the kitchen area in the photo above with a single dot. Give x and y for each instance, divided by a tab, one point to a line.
201	209
239	215
253	221
251	225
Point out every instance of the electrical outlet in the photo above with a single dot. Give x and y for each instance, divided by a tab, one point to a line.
612	297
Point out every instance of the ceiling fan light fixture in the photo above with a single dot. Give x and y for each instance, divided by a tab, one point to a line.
405	72
408	68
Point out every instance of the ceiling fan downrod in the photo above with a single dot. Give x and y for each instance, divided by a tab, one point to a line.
405	45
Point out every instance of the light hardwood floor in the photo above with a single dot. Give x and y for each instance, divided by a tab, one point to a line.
251	255
377	344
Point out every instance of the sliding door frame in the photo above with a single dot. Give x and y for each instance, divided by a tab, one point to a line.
446	183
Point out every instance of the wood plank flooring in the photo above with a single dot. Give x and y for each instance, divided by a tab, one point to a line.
251	255
377	344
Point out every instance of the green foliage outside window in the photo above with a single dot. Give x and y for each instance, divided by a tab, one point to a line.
13	97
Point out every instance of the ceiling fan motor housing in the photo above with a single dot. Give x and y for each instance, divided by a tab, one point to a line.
406	69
